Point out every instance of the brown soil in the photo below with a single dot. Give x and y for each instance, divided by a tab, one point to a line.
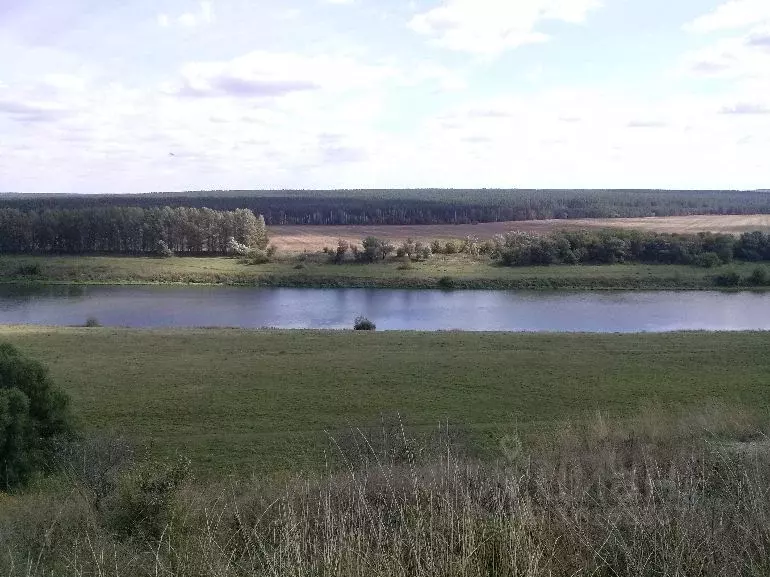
295	239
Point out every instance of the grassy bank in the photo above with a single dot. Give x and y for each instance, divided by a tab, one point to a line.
653	496
440	272
236	400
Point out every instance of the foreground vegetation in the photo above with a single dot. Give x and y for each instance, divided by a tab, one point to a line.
425	206
653	496
268	401
441	271
534	455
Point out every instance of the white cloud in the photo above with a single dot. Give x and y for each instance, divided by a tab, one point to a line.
732	15
263	74
203	15
230	139
426	71
583	138
739	55
188	19
492	26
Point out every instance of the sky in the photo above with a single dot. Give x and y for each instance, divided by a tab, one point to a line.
158	95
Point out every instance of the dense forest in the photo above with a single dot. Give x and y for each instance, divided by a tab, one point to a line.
618	246
425	206
129	230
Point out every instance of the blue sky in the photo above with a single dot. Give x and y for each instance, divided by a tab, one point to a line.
105	96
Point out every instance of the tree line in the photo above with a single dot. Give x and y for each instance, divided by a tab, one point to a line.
618	246
129	230
424	206
607	246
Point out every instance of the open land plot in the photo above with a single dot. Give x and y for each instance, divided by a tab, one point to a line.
295	239
261	400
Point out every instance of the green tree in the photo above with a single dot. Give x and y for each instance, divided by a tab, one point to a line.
33	416
343	247
374	249
759	276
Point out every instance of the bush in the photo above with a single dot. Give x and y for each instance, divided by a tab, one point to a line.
708	260
446	282
95	466
374	249
257	256
162	250
343	247
144	504
92	322
759	277
451	247
364	324
236	248
34	416
728	279
29	270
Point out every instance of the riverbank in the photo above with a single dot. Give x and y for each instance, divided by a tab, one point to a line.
456	271
267	401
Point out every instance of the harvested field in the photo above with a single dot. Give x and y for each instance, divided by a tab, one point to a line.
296	239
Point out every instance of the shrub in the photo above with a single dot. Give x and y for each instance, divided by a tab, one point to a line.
34	416
95	465
143	506
29	270
471	246
364	324
92	322
343	247
708	260
446	282
436	247
450	247
374	249
257	256
163	250
728	278
236	248
424	252
759	277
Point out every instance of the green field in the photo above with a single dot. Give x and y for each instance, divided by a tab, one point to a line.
464	272
260	401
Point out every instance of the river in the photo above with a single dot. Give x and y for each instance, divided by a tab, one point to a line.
189	306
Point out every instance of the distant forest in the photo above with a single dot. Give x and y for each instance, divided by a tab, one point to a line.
424	206
129	230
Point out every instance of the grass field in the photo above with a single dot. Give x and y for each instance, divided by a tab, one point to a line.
464	272
260	401
296	239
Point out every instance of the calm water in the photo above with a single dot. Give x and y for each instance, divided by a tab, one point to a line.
390	309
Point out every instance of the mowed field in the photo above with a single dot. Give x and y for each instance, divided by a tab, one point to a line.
295	239
269	401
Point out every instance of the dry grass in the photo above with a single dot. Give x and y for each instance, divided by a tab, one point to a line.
297	239
656	496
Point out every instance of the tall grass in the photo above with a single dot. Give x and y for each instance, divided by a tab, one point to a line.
654	496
